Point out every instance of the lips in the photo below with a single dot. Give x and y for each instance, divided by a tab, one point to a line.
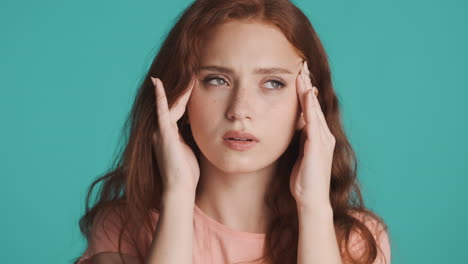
235	134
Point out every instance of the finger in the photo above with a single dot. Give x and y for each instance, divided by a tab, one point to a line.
300	87
307	109
299	90
309	116
161	106
321	123
300	95
313	123
314	102
320	113
179	107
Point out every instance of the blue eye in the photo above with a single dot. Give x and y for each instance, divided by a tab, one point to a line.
207	80
220	81
279	84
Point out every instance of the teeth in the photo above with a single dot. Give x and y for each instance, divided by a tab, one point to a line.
241	139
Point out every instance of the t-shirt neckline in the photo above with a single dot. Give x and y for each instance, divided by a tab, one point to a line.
223	228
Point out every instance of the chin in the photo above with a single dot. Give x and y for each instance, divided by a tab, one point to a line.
239	164
235	163
232	163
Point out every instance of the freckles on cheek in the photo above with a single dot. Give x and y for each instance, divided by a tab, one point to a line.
286	103
284	112
209	106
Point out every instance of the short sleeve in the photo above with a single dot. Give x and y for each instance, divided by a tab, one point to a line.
104	236
381	236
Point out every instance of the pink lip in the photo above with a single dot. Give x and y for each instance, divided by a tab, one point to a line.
239	134
239	145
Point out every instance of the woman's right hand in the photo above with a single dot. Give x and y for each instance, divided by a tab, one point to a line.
178	165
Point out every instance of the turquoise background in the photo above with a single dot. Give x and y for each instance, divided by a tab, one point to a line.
70	69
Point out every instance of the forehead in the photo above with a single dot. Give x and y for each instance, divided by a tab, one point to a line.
249	45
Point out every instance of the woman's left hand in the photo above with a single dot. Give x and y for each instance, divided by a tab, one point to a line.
311	174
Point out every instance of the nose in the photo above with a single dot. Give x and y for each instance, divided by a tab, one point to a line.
241	103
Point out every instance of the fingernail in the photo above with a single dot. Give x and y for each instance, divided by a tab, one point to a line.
153	80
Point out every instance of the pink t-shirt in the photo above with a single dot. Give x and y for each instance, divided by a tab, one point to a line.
213	242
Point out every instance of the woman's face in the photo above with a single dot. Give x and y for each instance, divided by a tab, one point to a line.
234	95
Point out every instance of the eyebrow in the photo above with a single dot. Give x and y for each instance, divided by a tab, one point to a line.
256	71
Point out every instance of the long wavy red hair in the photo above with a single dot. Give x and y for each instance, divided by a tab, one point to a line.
133	183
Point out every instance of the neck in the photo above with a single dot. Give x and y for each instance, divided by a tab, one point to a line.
235	199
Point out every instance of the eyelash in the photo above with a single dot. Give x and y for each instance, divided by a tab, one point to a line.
280	83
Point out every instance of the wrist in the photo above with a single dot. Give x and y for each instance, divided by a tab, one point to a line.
315	210
183	192
178	197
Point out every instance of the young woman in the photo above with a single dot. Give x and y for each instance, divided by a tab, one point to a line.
235	151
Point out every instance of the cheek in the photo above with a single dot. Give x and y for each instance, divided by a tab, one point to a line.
282	125
284	111
202	109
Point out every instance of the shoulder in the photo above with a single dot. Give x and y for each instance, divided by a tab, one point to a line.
107	226
379	231
114	218
112	229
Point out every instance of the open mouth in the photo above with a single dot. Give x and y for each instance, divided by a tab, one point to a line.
240	144
240	139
